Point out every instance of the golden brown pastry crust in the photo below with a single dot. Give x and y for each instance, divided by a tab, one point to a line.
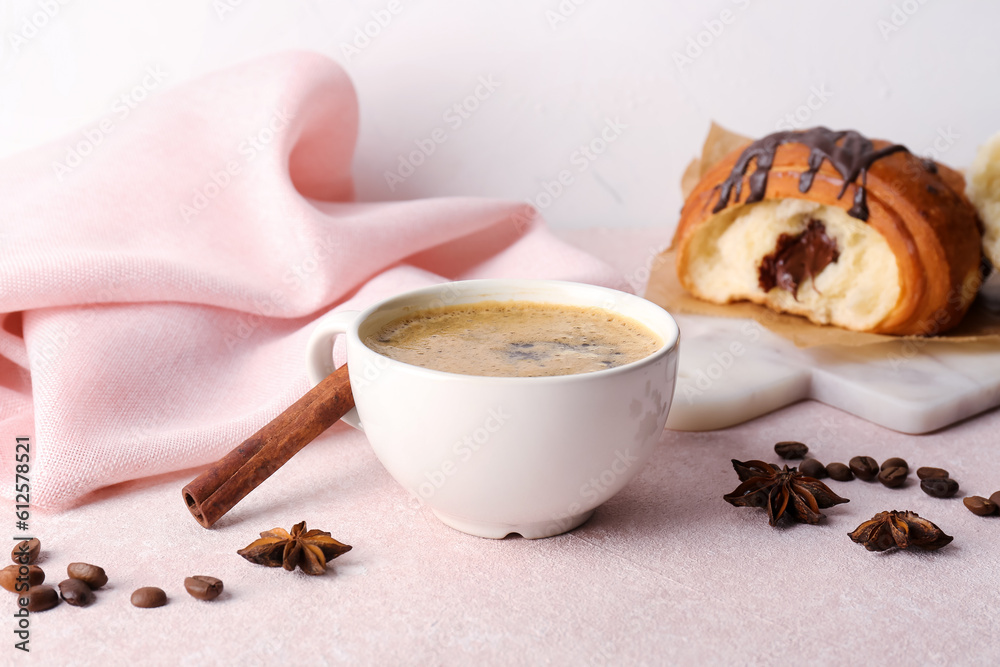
929	224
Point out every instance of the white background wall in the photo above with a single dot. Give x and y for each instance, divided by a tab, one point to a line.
905	70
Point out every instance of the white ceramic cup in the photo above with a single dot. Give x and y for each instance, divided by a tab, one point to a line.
493	456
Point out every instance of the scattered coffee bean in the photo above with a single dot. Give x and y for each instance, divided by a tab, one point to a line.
91	575
895	462
202	587
995	499
8	578
10	574
812	468
932	473
26	552
893	477
148	597
864	467
41	598
790	449
939	487
76	592
839	472
979	505
35	575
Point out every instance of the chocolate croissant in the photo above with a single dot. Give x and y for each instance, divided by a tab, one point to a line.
843	230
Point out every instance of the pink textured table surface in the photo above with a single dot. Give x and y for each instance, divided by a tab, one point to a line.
664	573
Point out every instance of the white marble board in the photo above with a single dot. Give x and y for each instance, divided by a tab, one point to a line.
732	370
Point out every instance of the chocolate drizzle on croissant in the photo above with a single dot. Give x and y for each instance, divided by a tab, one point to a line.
850	153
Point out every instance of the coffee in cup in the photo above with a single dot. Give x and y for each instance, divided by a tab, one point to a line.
507	453
514	339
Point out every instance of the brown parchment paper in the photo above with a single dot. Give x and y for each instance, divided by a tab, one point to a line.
981	323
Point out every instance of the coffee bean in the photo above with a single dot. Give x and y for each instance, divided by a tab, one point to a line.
839	472
939	487
8	578
26	552
895	462
893	477
202	587
148	597
979	505
932	473
995	499
41	598
76	592
10	574
864	467
812	468
790	449
91	575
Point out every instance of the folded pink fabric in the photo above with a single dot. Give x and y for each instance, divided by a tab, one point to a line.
160	269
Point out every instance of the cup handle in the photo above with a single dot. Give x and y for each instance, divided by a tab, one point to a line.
319	352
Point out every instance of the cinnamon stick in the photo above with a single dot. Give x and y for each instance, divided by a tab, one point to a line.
217	490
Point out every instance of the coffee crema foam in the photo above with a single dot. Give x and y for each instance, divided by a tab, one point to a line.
514	339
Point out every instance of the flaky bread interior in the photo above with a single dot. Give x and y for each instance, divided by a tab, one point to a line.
983	189
857	291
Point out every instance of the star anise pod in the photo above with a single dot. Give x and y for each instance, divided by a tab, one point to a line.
906	529
309	550
781	490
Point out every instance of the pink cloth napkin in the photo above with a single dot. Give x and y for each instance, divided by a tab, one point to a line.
159	271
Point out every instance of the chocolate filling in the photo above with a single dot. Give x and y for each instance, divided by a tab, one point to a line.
798	257
850	153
